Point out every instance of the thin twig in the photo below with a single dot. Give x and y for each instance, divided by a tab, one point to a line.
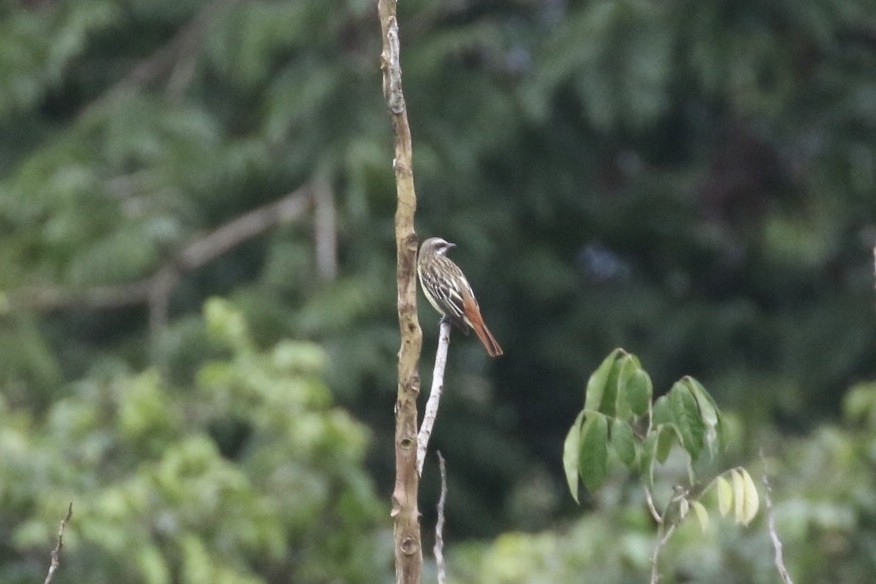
650	500
779	557
668	522
431	411
438	549
662	537
56	553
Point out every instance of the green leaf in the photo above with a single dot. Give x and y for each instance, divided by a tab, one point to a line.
686	415
593	451
709	413
662	413
667	435
708	408
638	390
594	398
623	442
611	396
625	367
570	455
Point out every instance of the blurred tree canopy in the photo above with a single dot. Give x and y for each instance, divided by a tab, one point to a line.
694	180
248	475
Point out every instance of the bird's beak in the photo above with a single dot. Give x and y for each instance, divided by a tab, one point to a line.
450	245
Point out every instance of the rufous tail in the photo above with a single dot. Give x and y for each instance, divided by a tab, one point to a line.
486	337
476	321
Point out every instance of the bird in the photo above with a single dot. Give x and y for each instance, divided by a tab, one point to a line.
448	291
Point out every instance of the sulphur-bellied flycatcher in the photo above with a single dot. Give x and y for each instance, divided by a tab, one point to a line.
448	291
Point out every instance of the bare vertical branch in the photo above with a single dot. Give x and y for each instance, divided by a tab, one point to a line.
431	411
778	556
56	553
438	548
405	514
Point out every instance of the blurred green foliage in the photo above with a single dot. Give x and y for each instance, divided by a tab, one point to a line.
691	179
248	475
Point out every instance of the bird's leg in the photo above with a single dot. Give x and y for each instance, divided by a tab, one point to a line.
444	318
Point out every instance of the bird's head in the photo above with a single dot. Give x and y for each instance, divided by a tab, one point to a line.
436	246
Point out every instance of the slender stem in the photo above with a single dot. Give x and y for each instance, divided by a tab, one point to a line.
649	498
663	536
56	553
779	558
431	412
438	549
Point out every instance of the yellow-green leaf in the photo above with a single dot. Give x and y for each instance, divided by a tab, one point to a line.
738	495
725	495
751	501
702	514
570	455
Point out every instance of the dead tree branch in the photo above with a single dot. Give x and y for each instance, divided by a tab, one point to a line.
438	548
405	514
431	411
778	556
156	289
56	553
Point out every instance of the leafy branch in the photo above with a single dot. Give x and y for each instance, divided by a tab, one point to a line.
621	417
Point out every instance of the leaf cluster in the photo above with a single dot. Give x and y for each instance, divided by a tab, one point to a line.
620	417
822	487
